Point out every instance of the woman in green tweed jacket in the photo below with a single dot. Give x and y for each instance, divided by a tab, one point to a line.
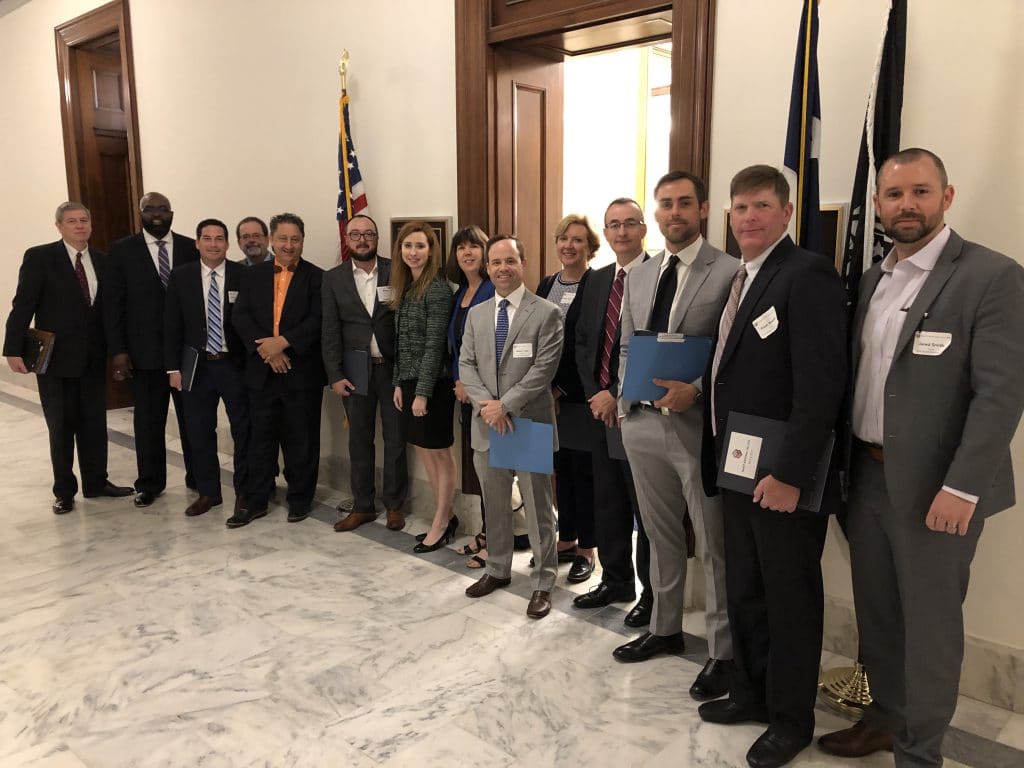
422	300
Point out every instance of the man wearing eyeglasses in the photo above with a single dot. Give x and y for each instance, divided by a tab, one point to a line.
253	239
357	316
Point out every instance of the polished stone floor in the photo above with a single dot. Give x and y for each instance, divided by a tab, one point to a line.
142	638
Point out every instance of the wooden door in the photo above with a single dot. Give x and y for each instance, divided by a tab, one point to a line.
528	145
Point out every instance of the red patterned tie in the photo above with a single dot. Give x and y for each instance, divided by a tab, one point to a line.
83	281
611	327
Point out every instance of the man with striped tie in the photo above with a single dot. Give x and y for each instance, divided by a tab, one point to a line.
138	269
197	318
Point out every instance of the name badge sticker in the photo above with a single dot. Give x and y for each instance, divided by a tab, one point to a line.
767	323
232	295
523	349
931	343
567	298
384	293
744	451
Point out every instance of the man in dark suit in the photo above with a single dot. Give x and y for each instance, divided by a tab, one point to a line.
779	354
59	285
138	269
357	316
597	361
197	315
938	340
253	238
277	315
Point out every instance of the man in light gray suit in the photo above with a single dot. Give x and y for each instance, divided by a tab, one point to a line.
510	352
938	392
681	290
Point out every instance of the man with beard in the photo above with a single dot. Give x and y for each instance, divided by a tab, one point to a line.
938	340
357	316
138	269
252	236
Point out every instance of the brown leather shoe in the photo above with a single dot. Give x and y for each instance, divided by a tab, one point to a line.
353	520
202	505
485	585
540	605
396	520
858	741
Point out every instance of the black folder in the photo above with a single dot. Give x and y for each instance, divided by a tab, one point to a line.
355	363
750	450
189	363
37	350
575	426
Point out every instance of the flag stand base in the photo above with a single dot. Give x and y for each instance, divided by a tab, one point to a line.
845	690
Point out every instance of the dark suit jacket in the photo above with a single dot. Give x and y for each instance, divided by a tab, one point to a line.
347	324
567	378
185	312
483	293
949	418
796	374
253	318
49	291
133	299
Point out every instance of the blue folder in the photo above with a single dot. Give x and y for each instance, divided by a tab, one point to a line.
662	356
529	447
355	364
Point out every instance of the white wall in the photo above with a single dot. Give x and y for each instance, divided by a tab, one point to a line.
960	100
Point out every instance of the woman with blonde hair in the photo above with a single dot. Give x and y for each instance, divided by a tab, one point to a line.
424	395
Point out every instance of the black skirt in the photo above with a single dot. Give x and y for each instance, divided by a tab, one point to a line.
435	429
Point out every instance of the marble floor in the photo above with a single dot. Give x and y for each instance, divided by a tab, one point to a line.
142	638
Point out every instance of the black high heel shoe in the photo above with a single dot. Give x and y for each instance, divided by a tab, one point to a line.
445	539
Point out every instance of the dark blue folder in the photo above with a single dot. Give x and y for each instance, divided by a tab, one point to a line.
662	356
356	365
529	447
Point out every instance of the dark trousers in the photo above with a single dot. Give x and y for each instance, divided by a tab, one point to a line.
75	412
217	380
776	603
574	486
290	419
909	584
615	513
152	392
362	452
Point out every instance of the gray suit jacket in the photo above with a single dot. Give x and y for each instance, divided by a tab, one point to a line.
949	419
523	384
698	311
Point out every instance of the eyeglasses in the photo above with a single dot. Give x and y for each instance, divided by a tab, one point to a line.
354	236
627	224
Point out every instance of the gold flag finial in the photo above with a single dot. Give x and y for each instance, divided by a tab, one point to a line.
343	70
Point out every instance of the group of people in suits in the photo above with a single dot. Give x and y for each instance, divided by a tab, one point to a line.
920	390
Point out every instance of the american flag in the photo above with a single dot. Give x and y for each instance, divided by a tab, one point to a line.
351	196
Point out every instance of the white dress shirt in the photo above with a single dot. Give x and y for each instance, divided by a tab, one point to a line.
514	300
90	272
220	270
154	249
686	258
366	287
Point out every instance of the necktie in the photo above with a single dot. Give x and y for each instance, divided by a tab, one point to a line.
665	296
728	318
500	330
214	330
611	327
83	281
165	263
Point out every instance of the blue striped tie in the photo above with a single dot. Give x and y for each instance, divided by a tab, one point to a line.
165	263
214	332
501	330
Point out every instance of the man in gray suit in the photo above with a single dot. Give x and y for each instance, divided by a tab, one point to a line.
938	392
358	316
681	290
510	352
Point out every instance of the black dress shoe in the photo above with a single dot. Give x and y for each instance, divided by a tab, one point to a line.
109	489
773	750
728	712
245	516
713	681
648	646
640	615
61	506
602	595
582	569
445	539
297	514
144	498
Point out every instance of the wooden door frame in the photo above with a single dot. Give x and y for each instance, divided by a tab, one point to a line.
100	22
693	44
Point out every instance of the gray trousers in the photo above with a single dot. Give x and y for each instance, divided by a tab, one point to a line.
496	485
666	472
909	584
